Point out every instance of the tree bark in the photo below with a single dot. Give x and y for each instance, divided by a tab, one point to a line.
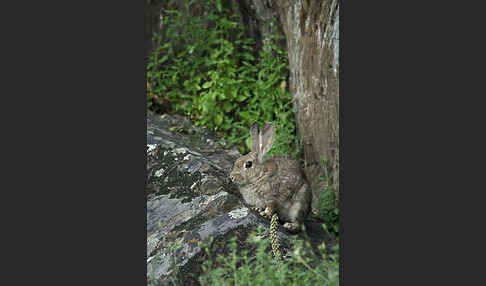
312	32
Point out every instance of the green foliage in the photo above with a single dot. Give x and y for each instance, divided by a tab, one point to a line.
326	206
328	212
208	70
302	267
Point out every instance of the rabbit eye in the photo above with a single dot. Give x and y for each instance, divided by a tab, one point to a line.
248	164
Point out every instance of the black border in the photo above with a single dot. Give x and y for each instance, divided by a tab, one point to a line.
75	197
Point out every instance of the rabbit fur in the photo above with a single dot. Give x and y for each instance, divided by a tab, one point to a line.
272	185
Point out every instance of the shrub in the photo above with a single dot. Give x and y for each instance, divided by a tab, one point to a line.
302	267
327	209
209	71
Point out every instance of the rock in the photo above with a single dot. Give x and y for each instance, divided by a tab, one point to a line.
191	199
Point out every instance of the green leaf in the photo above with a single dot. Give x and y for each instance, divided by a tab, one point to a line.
242	97
207	84
234	93
227	106
219	119
245	114
205	107
163	59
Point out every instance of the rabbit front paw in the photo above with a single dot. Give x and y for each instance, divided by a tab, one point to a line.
267	212
261	211
292	226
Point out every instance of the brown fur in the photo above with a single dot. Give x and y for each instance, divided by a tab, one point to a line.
275	184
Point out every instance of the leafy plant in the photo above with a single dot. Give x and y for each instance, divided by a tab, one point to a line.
301	267
208	70
326	205
328	212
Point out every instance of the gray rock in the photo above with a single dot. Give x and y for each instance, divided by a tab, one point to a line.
190	199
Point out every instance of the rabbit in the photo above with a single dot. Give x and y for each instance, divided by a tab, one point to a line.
272	185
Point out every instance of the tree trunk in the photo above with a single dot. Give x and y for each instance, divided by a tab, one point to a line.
312	33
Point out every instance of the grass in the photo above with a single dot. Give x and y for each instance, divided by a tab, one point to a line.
300	267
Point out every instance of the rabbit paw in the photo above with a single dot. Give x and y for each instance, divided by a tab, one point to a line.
291	226
261	211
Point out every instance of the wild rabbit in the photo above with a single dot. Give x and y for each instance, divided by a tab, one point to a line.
273	185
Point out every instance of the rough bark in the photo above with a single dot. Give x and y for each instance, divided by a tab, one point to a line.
312	32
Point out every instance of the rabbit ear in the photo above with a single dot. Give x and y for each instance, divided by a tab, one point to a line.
255	141
267	134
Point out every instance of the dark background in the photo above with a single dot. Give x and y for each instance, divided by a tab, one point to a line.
74	131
